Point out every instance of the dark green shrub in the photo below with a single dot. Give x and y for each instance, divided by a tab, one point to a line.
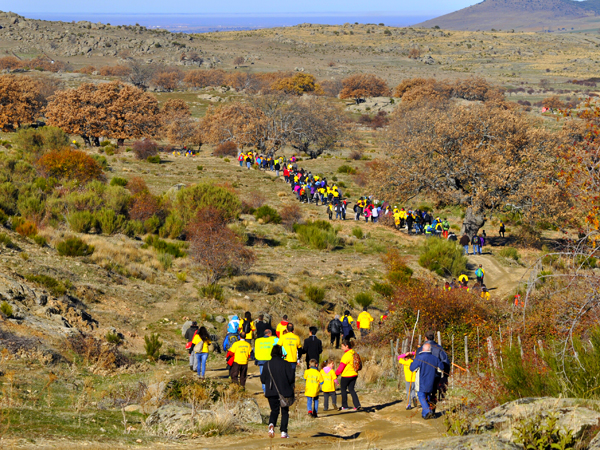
173	227
510	253
116	181
34	140
314	293
363	299
113	338
165	247
152	345
101	160
319	235
443	257
81	221
191	199
40	240
267	214
211	291
6	309
3	218
108	221
346	169
152	224
383	289
134	228
6	240
357	232
74	247
153	159
54	286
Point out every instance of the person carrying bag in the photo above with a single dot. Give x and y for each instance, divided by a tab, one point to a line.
278	379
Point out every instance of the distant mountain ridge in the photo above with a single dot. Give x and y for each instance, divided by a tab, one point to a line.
522	15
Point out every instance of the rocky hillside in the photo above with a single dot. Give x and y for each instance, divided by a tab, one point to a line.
530	15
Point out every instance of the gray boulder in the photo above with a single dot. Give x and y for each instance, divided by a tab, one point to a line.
473	442
185	327
175	420
572	415
247	411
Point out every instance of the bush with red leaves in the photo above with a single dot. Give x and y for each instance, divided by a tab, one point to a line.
144	149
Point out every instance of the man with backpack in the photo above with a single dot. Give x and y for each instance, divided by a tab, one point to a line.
441	378
480	273
335	329
291	344
445	228
475	242
347	331
428	365
262	350
247	326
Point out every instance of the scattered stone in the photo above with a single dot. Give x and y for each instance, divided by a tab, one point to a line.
173	419
247	411
220	319
572	414
185	327
132	408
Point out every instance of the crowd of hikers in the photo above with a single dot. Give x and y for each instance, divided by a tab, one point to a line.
277	351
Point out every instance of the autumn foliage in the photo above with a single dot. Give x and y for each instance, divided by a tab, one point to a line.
20	101
423	89
114	110
299	84
69	164
364	85
216	248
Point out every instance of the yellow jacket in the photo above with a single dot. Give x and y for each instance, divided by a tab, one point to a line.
241	351
197	339
313	382
329	379
291	343
409	376
364	320
348	359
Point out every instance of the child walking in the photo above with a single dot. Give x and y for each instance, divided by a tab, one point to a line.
328	386
313	383
409	378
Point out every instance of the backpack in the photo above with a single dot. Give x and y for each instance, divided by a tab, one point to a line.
246	327
479	273
357	362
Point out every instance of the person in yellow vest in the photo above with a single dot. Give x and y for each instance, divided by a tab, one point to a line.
313	385
485	294
328	386
363	321
247	326
241	353
409	379
291	343
262	350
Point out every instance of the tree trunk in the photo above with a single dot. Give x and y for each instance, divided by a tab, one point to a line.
96	141
474	220
86	141
120	142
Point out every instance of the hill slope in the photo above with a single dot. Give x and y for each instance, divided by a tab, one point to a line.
530	15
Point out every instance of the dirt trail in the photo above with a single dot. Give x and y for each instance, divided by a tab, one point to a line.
500	280
384	425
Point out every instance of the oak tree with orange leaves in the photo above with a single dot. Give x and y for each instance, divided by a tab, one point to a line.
482	156
360	86
113	110
20	101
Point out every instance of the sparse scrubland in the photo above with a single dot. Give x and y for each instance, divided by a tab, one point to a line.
124	213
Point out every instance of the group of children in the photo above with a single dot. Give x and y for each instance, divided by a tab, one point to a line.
320	381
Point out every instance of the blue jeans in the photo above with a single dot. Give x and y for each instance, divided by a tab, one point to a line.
261	365
466	247
248	164
242	163
312	404
424	400
475	249
201	359
294	366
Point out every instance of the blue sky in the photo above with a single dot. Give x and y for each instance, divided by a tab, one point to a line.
225	7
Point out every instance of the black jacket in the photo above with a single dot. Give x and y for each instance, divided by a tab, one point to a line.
189	333
283	375
312	348
335	326
464	240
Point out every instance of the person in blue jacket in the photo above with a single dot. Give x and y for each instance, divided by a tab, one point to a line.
428	365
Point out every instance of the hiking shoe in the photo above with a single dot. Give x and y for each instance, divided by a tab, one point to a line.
271	430
315	415
192	369
409	407
310	413
284	435
343	408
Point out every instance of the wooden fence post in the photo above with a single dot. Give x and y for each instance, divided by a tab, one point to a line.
492	352
467	352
